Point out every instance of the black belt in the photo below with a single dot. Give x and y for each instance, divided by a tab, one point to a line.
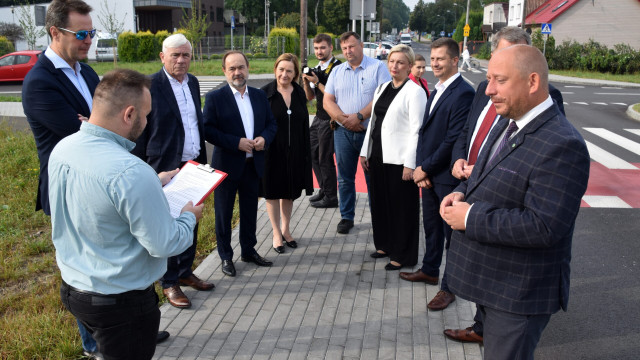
248	160
108	299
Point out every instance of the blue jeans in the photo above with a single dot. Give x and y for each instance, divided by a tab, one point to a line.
347	147
88	344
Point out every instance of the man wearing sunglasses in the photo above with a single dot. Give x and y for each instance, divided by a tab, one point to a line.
57	96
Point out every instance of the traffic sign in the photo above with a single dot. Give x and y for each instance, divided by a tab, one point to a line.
467	28
546	28
233	22
441	33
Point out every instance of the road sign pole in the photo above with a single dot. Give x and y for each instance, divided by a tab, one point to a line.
466	21
544	47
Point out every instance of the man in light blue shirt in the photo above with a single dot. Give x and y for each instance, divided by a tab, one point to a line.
111	225
348	97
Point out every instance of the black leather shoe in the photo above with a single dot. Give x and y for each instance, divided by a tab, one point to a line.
228	268
162	336
317	196
325	203
292	244
279	249
257	259
377	255
93	355
391	267
344	226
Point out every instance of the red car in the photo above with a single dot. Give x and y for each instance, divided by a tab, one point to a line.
16	65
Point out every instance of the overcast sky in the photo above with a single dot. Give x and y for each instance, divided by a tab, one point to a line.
412	3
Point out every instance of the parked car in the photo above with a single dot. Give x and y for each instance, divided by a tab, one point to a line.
370	49
105	49
16	65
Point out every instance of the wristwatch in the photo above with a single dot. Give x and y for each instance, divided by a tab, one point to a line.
360	117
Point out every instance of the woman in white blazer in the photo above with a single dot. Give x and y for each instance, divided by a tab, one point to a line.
389	155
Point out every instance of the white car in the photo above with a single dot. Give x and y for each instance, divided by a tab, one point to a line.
371	48
405	39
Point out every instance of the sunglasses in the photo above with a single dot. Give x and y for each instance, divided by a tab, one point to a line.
82	34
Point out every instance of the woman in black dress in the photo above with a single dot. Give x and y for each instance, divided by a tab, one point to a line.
389	154
287	170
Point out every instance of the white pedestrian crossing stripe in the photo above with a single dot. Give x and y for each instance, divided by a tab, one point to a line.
616	139
633	131
607	159
597	201
206	86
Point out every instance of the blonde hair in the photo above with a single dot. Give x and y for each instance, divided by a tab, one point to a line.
406	50
291	58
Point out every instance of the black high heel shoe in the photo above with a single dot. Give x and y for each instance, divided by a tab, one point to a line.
279	249
292	244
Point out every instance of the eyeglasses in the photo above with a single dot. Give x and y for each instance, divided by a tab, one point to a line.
82	34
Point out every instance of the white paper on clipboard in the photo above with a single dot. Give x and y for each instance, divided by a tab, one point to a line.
194	182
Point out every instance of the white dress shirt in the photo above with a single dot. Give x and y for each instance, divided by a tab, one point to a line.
191	148
74	75
441	87
246	111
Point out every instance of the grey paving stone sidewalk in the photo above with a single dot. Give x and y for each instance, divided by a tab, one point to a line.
327	299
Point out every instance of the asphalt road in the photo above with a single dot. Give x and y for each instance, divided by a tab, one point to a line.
603	321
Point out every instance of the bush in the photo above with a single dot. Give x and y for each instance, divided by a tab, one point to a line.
215	56
276	38
537	40
147	46
5	46
484	52
127	47
160	36
593	56
259	56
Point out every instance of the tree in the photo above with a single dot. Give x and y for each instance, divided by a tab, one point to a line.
195	26
110	23
28	24
385	26
292	20
336	13
397	13
418	19
12	32
251	9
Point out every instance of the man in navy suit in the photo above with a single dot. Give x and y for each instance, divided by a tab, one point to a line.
514	218
173	136
57	95
444	118
471	141
239	123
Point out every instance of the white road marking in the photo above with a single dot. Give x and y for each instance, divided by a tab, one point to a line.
567	92
469	81
623	104
599	103
607	159
574	86
612	87
616	139
622	94
598	201
633	131
580	103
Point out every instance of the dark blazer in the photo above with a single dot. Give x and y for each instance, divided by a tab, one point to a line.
441	129
52	103
463	143
514	255
223	128
162	141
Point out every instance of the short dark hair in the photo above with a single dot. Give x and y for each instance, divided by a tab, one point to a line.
58	13
453	50
120	88
346	35
292	59
230	52
322	37
420	58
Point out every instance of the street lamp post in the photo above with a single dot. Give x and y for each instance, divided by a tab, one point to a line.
275	14
266	20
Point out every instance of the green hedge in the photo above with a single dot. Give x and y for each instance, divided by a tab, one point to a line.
5	46
127	45
148	48
291	41
160	36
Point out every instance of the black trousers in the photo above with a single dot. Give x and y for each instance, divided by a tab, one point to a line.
125	326
179	266
321	140
395	212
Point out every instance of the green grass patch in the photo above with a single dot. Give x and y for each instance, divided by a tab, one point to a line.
198	68
636	107
632	78
33	321
10	98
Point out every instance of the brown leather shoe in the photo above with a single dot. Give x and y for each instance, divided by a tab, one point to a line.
197	283
419	276
176	297
441	300
463	335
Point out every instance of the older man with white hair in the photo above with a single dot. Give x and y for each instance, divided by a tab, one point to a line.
173	136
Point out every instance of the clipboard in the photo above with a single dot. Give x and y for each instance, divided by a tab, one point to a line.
194	182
